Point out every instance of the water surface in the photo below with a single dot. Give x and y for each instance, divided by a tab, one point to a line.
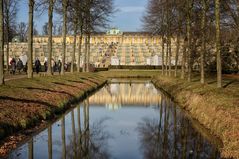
124	120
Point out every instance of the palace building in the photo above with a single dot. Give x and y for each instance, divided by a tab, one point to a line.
111	48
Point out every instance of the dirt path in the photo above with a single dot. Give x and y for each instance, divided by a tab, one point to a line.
13	77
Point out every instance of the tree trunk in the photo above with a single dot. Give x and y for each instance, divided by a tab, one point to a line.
218	45
163	48
183	59
189	54
163	55
178	43
50	15
203	46
74	46
30	39
1	45
7	33
167	36
170	55
7	51
64	5
85	57
79	51
88	53
177	54
166	66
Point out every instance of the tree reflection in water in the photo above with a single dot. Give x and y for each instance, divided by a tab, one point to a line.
172	136
92	140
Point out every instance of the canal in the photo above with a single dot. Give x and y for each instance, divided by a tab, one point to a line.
126	119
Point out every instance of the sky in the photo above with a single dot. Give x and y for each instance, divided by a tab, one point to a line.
129	14
127	18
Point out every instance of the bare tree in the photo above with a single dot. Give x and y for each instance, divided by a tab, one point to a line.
50	25
220	18
30	38
10	11
218	46
45	29
183	59
64	30
189	44
169	36
80	23
1	44
203	45
75	5
22	31
74	45
179	21
96	15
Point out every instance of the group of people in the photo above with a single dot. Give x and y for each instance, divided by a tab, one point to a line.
17	65
56	66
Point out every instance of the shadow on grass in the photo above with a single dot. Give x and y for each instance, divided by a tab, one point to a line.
89	79
229	83
212	82
196	80
75	81
63	84
27	101
47	90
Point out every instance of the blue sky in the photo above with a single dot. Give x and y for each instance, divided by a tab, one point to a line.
129	14
127	18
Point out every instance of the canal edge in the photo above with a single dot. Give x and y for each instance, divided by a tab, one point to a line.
40	125
225	150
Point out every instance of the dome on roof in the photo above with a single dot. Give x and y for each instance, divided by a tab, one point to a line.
114	31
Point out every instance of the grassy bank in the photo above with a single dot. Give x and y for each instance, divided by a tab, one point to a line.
25	103
217	109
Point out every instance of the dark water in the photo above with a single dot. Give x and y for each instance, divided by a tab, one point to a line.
124	120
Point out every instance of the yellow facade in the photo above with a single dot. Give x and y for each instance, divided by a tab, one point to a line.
132	48
129	38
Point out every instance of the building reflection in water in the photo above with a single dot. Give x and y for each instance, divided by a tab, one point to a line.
116	95
148	125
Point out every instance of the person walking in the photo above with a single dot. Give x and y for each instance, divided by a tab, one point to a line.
45	66
25	68
37	65
59	64
65	67
19	65
13	66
